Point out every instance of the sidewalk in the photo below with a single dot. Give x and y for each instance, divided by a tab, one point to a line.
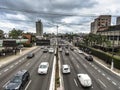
8	59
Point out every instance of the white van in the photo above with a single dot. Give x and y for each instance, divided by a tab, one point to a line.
85	80
65	68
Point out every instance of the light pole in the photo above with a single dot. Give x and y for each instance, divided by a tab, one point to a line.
20	37
112	63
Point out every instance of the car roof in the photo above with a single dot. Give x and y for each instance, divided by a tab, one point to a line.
65	66
21	72
44	63
84	76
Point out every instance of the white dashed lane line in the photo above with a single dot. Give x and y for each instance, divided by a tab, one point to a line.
75	83
6	70
99	71
27	64
12	66
114	83
85	65
108	78
103	74
77	66
0	73
102	83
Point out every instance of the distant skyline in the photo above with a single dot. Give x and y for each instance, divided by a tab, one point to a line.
70	15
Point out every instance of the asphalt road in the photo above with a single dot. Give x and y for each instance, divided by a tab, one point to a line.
102	79
37	82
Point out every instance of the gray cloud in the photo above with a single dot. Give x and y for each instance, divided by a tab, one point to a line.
51	12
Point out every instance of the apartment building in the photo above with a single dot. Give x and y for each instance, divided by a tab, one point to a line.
100	23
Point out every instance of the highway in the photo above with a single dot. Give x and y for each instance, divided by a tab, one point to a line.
36	82
102	79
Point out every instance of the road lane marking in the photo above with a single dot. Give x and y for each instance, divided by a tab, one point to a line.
6	84
92	65
77	66
85	65
108	78
27	64
28	85
6	70
119	87
102	83
114	83
99	71
16	63
96	68
20	60
75	83
11	66
103	74
0	73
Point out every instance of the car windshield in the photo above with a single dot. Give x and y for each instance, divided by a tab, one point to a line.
43	66
65	68
16	79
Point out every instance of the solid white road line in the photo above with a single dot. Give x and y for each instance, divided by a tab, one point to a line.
75	83
102	83
28	85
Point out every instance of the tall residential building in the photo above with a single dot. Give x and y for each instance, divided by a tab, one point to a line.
39	28
118	21
100	23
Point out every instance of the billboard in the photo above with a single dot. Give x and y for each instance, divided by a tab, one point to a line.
9	43
42	42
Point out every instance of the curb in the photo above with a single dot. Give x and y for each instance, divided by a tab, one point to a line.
52	81
60	75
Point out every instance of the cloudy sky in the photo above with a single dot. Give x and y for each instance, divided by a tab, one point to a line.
70	15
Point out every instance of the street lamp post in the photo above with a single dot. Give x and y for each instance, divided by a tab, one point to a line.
112	63
20	44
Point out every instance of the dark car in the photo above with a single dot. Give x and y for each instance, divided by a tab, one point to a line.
66	52
30	55
45	50
71	48
89	58
18	81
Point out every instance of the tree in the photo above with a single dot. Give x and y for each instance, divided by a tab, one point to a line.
15	33
1	34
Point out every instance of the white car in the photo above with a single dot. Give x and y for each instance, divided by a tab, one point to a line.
51	50
65	68
85	80
60	49
80	52
43	68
